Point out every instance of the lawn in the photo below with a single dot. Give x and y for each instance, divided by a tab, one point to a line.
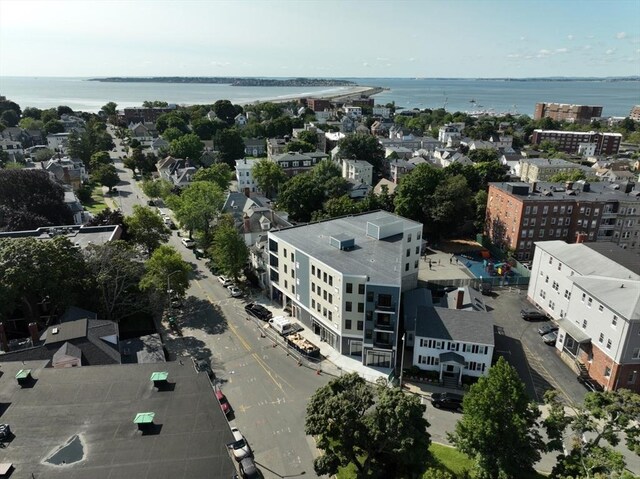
97	203
444	458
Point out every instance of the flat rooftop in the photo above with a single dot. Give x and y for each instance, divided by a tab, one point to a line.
81	236
98	404
599	191
381	260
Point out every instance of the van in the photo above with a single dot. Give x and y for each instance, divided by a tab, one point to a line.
282	325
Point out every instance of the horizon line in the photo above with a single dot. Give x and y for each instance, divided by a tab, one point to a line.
336	77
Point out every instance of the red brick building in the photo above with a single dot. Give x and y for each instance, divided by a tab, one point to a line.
566	112
569	141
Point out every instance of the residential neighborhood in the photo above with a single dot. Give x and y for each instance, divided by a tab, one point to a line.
250	258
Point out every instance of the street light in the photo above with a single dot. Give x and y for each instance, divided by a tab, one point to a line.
402	360
169	283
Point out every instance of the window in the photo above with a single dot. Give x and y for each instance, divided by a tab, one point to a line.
370	296
584	324
313	270
534	210
286	285
569	209
607	371
361	289
567	294
541	233
349	288
543	221
589	302
601	308
285	268
532	222
417	249
291	256
347	324
324	294
313	304
324	277
313	287
608	344
525	222
330	280
360	307
409	238
559	266
614	321
636	353
330	298
408	252
415	264
348	306
545	210
601	338
406	266
360	325
555	209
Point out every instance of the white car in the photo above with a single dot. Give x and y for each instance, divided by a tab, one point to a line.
188	243
239	447
225	282
234	291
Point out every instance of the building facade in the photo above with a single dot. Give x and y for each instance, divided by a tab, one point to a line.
244	176
357	171
570	141
566	112
542	169
593	291
343	279
519	214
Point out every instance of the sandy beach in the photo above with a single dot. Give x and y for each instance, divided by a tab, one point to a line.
343	95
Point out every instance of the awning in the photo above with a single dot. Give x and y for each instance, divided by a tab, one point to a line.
578	335
451	357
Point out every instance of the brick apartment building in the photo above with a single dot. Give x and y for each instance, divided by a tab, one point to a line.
519	214
145	115
592	290
318	104
570	141
566	112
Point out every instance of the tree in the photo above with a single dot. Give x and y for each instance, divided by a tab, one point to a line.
31	112
9	118
229	251
388	436
188	146
110	217
451	205
308	137
335	207
480	203
157	188
29	200
166	273
299	146
498	411
204	128
414	193
595	428
106	175
269	176
48	115
172	133
29	123
301	196
154	104
197	206
129	162
230	145
568	176
92	140
64	110
44	155
117	270
34	271
147	228
218	173
362	147
482	155
99	159
225	110
6	105
110	109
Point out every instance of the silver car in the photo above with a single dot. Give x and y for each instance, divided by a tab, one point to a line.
239	447
550	338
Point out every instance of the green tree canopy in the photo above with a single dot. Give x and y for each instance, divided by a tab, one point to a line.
9	118
147	228
363	147
205	128
229	251
482	155
308	137
157	188
568	176
110	109
166	270
595	427
299	146
99	159
172	133
106	175
34	270
269	176
29	199
414	194
225	110
32	112
301	196
187	146
197	206
388	436
497	411
218	173
230	145
451	205
28	123
116	270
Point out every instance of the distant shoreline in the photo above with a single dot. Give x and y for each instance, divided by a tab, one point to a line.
345	95
232	81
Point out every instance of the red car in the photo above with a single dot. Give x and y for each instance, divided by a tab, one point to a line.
224	404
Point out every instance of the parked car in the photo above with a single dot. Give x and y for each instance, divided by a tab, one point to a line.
234	291
248	469
224	403
225	282
550	338
447	401
188	243
5	432
151	203
258	311
203	366
590	384
199	252
532	315
239	447
547	328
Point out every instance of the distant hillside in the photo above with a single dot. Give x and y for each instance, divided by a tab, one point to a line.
291	82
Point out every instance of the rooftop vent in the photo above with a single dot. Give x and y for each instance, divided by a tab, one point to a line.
55	331
342	241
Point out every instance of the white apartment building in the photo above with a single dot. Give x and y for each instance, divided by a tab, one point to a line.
343	279
592	290
357	171
382	111
246	183
353	111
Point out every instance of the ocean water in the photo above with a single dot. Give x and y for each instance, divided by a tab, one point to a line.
499	96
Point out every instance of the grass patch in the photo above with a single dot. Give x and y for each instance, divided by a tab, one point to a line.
97	203
444	458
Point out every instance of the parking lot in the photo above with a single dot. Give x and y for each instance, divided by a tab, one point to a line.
538	364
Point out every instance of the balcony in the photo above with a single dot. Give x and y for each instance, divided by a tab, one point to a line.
382	344
384	308
381	326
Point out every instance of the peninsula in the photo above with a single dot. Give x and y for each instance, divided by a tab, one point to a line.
233	81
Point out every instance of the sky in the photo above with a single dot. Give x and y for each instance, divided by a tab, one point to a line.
326	38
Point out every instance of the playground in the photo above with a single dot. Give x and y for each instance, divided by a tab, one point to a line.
483	266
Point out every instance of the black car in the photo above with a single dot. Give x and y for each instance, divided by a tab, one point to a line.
590	384
447	401
258	311
202	365
532	315
151	203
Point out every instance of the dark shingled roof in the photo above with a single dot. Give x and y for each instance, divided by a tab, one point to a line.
455	325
